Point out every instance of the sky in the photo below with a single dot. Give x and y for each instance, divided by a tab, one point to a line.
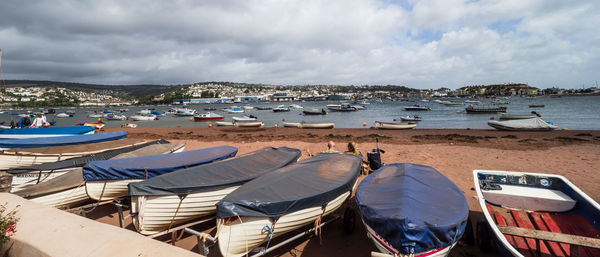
419	44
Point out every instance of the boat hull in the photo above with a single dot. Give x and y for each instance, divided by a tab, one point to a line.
156	213
384	247
386	125
19	181
69	197
108	189
252	124
318	125
245	233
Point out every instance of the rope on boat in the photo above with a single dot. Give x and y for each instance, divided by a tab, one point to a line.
318	226
176	211
269	230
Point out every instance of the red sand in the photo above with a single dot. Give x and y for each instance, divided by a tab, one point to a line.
455	153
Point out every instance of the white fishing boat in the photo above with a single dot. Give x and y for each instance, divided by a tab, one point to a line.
207	116
281	108
411	118
393	125
108	180
185	112
296	106
113	116
234	109
143	117
157	205
325	125
244	224
245	118
253	124
247	107
63	115
532	124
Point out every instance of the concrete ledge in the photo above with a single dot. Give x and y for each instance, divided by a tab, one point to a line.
45	231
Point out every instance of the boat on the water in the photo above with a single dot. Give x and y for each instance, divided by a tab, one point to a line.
536	106
314	112
450	103
18	157
245	118
143	117
207	116
513	116
411	118
210	109
263	108
416	108
63	115
108	180
281	108
394	125
535	123
284	200
533	214
69	189
296	106
252	124
114	116
185	112
476	110
412	209
183	195
341	107
472	101
35	174
60	141
234	109
16	133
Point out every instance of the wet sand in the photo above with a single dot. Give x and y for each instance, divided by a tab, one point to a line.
455	153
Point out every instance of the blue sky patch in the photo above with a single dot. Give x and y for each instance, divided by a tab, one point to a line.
505	25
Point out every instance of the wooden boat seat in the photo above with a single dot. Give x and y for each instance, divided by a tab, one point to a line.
547	234
529	198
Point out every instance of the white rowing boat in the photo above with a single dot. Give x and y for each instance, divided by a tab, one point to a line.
252	124
328	125
392	125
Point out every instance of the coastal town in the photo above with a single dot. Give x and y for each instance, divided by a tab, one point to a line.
227	92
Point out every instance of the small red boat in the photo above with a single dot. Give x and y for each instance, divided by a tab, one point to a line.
207	116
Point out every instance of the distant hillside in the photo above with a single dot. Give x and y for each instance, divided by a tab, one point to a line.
132	90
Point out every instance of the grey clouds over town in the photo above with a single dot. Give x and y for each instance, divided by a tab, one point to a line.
419	44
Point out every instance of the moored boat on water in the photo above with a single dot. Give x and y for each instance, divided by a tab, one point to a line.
107	180
63	115
185	112
394	125
412	209
341	107
16	133
476	110
143	117
114	116
207	116
536	106
234	109
314	112
417	108
183	195
281	108
280	202
533	214
245	118
411	118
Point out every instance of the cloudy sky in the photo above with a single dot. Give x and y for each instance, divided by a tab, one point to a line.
420	44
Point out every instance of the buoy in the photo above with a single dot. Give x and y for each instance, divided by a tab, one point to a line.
191	118
394	119
210	125
339	114
275	125
364	124
283	119
565	129
372	127
491	118
99	119
298	126
179	126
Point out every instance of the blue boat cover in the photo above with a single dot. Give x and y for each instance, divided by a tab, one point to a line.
72	130
62	140
413	207
217	175
308	183
150	166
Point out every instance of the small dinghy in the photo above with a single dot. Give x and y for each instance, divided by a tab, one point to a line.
411	118
244	118
63	115
292	125
60	141
532	124
248	124
281	108
412	210
314	112
174	198
108	180
113	116
532	214
143	117
325	125
284	200
68	189
18	133
478	110
512	116
35	174
224	123
394	125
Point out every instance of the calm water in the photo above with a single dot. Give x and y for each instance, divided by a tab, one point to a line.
566	112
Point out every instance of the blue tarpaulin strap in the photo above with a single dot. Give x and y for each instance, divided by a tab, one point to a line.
270	231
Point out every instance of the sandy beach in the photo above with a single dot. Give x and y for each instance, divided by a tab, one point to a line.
455	153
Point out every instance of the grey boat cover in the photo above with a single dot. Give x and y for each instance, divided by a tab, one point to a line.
151	166
522	124
217	175
80	161
309	183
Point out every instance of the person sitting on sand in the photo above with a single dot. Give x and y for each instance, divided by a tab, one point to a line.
330	148
352	149
40	121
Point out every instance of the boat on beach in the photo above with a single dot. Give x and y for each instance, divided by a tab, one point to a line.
412	209
532	124
394	125
16	133
207	116
250	124
322	125
19	157
284	200
60	141
174	198
224	123
477	110
533	214
292	125
108	180
69	189
95	125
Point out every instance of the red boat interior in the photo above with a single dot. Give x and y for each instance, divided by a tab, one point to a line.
545	221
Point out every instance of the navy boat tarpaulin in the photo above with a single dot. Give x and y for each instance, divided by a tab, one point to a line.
413	207
308	183
213	176
150	166
59	141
